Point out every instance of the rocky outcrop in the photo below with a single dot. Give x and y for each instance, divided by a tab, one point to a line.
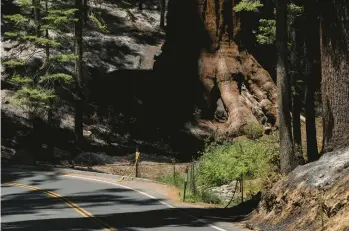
313	197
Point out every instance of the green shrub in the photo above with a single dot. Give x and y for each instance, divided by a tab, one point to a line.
253	130
220	164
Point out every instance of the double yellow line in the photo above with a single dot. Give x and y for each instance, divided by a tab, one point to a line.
78	209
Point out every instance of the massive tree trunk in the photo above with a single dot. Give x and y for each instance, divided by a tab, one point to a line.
335	73
287	158
78	74
312	74
226	74
246	89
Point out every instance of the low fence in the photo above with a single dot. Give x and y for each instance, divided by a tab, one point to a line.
151	169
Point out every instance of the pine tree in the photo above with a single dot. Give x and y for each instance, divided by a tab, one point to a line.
312	73
78	28
35	91
287	158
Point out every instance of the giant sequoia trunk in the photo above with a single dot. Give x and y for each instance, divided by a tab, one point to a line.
246	89
335	73
233	83
287	158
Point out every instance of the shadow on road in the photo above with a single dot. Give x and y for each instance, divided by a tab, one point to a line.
119	207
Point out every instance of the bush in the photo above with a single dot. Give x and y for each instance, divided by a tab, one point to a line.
220	164
253	130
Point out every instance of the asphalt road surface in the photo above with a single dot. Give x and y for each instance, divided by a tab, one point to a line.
45	200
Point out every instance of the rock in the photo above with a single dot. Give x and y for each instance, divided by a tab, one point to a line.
94	158
221	113
225	192
22	157
295	202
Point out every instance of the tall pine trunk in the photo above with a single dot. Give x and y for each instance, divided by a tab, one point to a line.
287	158
36	4
296	53
162	15
335	73
312	74
50	145
79	75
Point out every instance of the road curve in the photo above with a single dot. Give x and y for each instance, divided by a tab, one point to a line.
45	200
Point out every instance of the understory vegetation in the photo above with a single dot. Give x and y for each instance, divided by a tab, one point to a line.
221	163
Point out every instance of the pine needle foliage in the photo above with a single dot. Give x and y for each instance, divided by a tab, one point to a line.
35	88
248	5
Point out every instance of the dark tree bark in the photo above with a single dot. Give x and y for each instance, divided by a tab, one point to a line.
85	11
78	74
335	73
287	158
162	15
51	138
36	4
297	41
312	74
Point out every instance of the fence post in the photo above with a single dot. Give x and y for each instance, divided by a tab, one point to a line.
174	170
185	182
136	163
242	187
192	178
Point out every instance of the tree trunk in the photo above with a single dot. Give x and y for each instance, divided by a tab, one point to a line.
312	74
36	4
78	74
335	73
51	138
295	56
85	11
287	158
162	15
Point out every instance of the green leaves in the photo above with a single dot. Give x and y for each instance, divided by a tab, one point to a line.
220	164
248	5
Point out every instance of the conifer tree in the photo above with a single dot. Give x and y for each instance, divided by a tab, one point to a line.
35	91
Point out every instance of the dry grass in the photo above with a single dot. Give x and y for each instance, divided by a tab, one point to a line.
149	170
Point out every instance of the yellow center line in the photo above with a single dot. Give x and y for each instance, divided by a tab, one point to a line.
69	203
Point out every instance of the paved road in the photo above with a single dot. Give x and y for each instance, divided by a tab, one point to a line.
45	200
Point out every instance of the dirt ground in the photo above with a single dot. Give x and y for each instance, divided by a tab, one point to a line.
149	170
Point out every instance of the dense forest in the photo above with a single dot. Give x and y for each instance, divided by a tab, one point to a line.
249	89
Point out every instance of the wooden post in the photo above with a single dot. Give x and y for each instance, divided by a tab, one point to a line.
136	163
242	187
185	182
